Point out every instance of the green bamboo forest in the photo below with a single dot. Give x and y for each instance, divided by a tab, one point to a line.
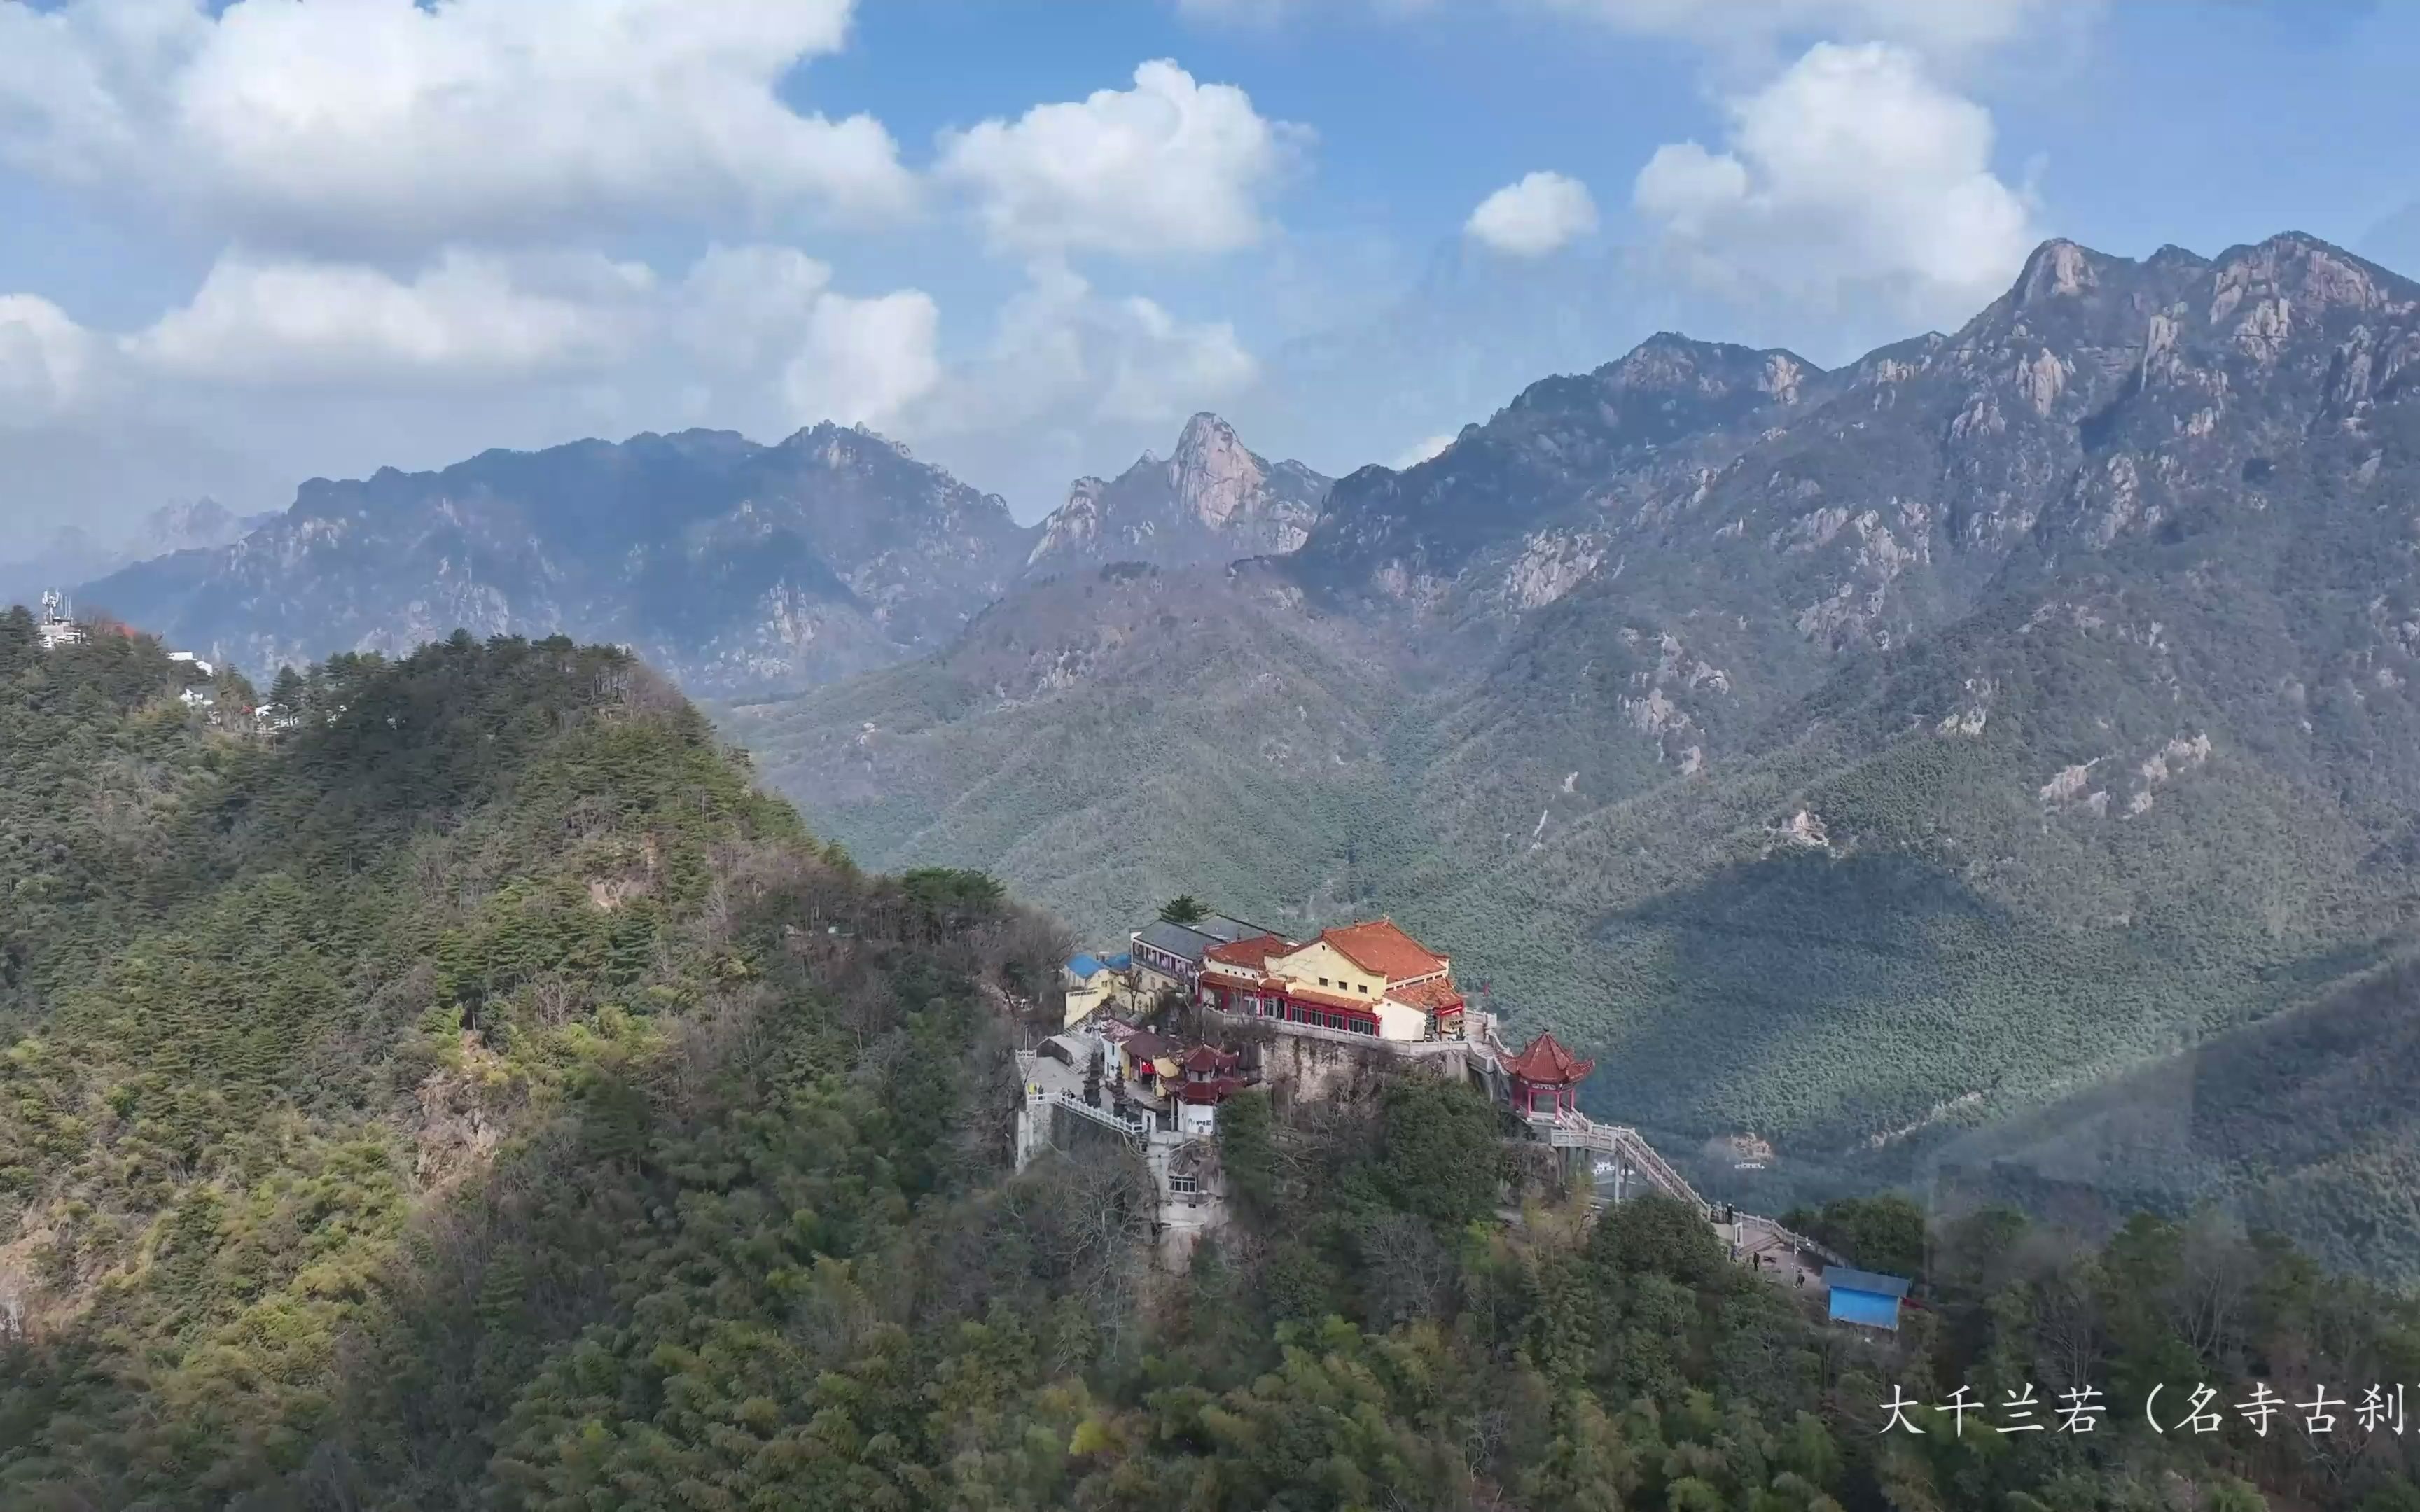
482	1095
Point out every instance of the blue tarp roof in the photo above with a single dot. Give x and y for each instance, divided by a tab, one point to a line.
1083	966
1869	1308
1840	1277
1123	960
1867	1298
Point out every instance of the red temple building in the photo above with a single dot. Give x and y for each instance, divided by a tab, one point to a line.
1546	1077
1369	978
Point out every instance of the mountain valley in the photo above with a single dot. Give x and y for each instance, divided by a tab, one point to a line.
1850	757
1863	759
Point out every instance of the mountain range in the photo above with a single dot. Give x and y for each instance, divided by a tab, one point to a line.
736	567
1896	760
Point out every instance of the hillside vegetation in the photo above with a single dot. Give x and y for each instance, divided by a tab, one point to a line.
484	1097
1117	733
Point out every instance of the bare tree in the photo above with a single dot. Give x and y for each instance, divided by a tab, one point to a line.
1407	1270
2069	1330
2217	1270
1088	1216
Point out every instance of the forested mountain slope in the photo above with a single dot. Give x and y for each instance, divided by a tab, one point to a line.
2301	1122
1844	756
483	1099
1115	733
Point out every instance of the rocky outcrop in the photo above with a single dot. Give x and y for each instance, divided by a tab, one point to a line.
1212	500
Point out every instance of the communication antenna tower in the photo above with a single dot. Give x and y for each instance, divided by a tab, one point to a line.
55	628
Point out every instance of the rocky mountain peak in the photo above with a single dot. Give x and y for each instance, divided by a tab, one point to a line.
2059	269
1215	476
2296	265
1669	363
836	443
1205	433
1212	500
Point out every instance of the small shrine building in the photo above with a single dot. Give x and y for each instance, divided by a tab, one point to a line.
1546	1078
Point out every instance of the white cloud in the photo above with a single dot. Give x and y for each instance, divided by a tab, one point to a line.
468	318
1541	213
1420	452
1168	166
1851	176
1943	28
1063	356
751	336
415	126
746	308
864	360
771	337
480	348
47	362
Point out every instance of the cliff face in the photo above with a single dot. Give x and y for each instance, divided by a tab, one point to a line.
1213	500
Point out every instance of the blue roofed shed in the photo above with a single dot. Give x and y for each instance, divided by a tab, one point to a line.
1863	1297
1084	967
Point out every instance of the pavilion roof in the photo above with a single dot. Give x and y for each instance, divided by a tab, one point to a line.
1207	1059
1546	1062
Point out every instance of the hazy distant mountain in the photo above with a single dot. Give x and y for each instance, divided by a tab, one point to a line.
1212	500
1849	756
739	568
73	554
732	565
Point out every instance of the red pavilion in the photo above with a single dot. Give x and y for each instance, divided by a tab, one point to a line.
1546	1077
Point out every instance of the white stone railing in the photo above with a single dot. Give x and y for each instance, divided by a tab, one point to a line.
1131	1128
1321	1031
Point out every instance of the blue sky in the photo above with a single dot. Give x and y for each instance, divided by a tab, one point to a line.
256	241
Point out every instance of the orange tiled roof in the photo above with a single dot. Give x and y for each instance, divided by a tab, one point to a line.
1546	1062
1378	946
1253	952
1428	994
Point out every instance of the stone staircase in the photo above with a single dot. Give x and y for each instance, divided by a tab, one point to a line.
1574	1130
